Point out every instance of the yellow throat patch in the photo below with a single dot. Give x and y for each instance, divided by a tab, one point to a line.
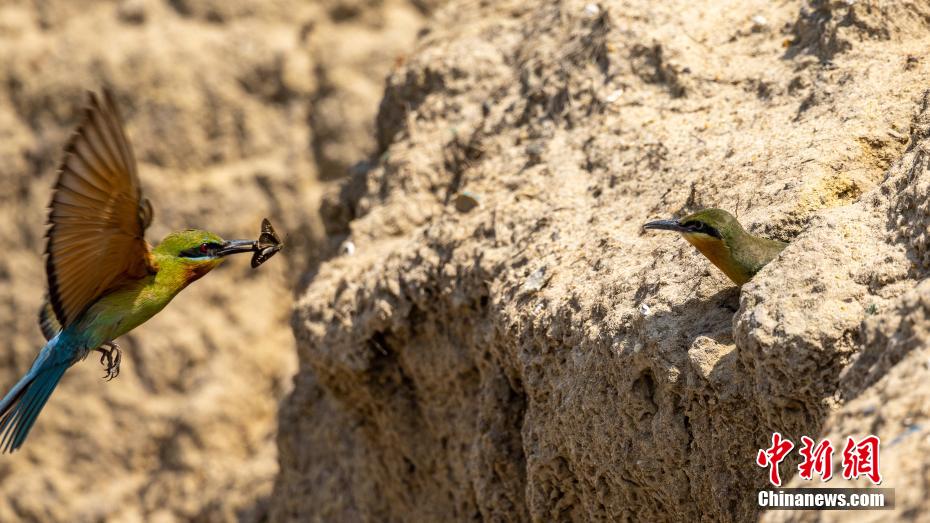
719	254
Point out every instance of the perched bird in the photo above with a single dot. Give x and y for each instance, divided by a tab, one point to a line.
723	241
104	279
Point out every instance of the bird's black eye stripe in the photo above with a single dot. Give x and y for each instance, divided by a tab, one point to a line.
695	226
202	250
701	227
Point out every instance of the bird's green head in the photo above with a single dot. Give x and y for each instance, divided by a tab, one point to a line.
197	252
708	225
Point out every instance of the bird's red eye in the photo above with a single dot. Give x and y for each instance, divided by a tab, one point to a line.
204	248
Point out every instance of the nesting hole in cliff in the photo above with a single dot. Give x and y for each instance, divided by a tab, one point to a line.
644	390
387	375
460	156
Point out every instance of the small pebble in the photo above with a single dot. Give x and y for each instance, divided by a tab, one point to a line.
466	201
592	9
614	96
536	281
347	248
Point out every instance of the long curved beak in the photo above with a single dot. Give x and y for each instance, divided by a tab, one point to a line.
236	246
665	225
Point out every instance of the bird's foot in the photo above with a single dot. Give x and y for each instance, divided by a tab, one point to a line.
110	358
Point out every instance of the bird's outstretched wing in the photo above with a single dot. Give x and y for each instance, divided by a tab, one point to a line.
97	217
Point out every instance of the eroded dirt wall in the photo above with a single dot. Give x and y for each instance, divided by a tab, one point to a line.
501	340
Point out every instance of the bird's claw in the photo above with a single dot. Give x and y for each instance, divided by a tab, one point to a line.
110	358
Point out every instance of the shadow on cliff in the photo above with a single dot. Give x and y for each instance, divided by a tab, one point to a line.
682	324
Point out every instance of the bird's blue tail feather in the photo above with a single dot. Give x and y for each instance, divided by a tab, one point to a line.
21	406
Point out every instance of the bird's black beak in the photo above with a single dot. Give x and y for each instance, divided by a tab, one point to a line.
666	225
237	246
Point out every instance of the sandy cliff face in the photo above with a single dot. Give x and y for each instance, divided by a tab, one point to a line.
220	100
500	339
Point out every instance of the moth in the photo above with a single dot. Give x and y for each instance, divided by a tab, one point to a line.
267	245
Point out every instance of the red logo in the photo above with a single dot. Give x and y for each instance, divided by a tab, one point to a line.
819	460
861	459
774	455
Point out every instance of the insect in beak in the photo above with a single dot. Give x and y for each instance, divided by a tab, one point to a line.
268	244
265	247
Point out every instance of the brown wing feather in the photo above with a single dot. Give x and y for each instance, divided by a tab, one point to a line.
97	216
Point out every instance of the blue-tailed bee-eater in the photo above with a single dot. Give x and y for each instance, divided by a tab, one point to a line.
104	279
719	236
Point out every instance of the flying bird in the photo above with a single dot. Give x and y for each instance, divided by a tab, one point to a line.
723	241
104	279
